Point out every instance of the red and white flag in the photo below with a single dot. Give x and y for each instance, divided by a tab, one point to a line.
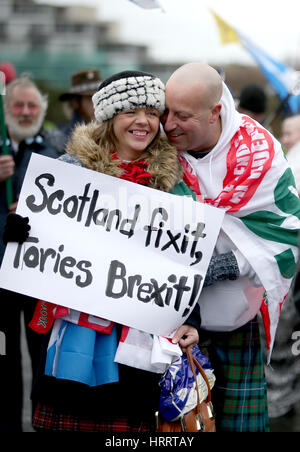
248	176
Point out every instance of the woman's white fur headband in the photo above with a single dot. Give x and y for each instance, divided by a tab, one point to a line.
127	94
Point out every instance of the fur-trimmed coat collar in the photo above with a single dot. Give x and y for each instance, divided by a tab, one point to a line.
162	161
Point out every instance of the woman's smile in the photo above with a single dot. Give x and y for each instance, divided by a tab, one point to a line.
134	131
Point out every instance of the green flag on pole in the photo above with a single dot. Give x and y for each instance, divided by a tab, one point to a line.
9	195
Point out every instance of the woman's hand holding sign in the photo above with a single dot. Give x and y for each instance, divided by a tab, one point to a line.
185	336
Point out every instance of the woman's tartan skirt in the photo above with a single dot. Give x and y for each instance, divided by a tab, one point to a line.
47	418
239	395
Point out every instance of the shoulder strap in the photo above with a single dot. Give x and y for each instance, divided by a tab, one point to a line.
193	362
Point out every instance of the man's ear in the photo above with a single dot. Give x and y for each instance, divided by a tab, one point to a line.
75	103
215	113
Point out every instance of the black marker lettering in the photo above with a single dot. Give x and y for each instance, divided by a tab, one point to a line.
113	276
156	294
31	199
132	281
19	249
181	287
195	291
92	207
113	213
198	256
159	234
84	199
70	206
150	228
34	257
104	213
44	256
57	262
144	288
132	222
65	263
197	235
172	241
31	257
171	279
59	194
185	240
82	266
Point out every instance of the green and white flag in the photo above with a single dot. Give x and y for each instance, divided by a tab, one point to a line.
248	176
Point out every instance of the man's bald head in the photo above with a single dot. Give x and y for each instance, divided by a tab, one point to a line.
290	131
203	79
192	120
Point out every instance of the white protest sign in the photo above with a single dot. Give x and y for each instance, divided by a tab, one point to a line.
109	247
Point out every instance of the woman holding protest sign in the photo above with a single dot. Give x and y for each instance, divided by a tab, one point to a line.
89	381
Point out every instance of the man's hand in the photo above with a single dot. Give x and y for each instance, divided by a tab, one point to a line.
6	167
13	207
186	335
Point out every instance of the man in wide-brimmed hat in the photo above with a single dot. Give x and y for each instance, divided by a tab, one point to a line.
79	98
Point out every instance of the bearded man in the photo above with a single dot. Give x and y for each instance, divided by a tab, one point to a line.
25	109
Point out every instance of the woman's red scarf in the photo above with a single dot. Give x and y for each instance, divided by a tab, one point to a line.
134	171
45	313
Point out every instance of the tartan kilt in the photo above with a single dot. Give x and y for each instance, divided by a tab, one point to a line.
47	418
239	395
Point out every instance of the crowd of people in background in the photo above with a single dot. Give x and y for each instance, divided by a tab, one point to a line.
25	113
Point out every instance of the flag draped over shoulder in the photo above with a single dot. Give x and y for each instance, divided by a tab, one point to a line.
284	79
267	221
81	354
262	215
76	353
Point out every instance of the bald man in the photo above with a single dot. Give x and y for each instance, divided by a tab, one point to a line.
290	132
290	139
233	163
193	120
